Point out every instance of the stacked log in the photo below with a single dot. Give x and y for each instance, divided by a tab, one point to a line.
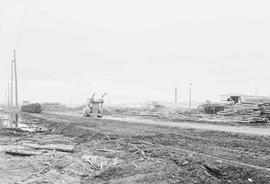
211	108
32	108
250	113
265	109
243	113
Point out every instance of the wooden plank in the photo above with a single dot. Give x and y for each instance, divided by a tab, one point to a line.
22	152
58	147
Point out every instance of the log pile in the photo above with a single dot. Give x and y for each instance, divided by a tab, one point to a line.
243	113
246	113
211	108
32	108
240	109
265	109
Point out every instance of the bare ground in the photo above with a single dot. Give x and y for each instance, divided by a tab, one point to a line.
256	129
150	153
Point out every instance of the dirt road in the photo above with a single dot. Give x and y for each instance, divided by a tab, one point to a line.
262	131
226	128
140	153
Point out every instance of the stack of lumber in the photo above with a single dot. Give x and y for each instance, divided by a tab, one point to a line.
242	109
211	108
32	108
249	113
265	109
243	113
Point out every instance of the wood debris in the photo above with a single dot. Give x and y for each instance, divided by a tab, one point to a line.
22	152
57	147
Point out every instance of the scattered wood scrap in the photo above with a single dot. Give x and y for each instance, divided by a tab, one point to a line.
142	142
106	150
22	152
33	167
213	170
57	147
100	162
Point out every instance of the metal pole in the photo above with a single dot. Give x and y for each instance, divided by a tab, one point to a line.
16	89
190	84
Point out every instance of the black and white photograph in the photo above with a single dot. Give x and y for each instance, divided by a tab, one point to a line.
134	91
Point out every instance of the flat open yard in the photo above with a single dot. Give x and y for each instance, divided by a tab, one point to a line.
114	151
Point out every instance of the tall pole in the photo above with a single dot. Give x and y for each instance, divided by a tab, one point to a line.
175	94
5	98
16	89
8	99
11	92
190	84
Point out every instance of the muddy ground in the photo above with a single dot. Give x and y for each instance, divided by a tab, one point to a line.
180	122
133	153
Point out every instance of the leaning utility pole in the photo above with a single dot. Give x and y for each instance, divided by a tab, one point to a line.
190	84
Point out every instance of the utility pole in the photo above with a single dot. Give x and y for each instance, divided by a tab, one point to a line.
16	89
11	93
14	112
5	98
8	98
190	84
175	94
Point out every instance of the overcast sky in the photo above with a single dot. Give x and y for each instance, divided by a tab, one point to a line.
135	50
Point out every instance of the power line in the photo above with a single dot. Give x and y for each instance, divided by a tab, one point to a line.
22	26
